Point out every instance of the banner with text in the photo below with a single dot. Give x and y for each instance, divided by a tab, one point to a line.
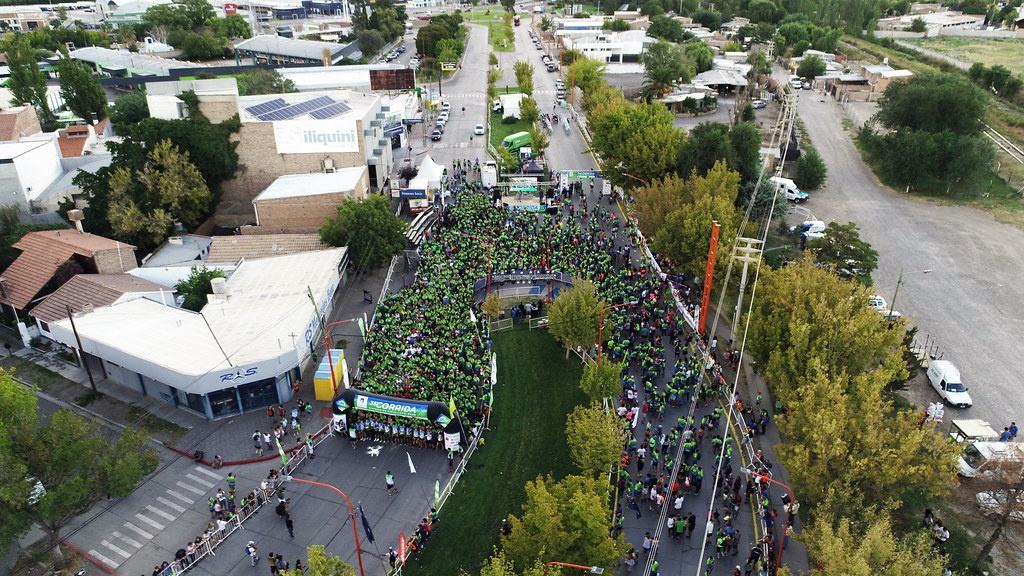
316	136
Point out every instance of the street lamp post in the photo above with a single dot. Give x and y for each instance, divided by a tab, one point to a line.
591	569
351	515
327	342
637	178
792	498
600	326
490	265
892	303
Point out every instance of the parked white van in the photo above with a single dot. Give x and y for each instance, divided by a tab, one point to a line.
980	458
787	186
945	378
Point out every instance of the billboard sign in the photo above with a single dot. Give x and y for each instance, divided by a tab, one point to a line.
449	66
316	136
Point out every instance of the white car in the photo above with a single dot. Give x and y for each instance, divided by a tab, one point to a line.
995	502
758	104
478	129
446	106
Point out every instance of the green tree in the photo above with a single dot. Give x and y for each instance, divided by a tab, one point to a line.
758	196
706	144
145	204
596	437
811	67
508	5
27	83
842	251
924	102
638	139
708	18
843	548
370	41
918	25
762	11
263	81
665	67
601	381
564	520
701	54
230	26
524	76
372	233
161	19
615	25
686	236
655	202
80	89
574	316
322	563
810	170
529	112
18	422
79	466
129	109
203	46
198	12
666	28
587	73
197	286
745	146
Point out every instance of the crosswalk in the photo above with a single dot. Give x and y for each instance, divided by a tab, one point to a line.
121	544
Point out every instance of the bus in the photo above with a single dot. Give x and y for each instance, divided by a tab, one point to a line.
516	141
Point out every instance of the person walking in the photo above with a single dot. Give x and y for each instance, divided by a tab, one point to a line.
389	480
257	442
392	557
250	549
290	525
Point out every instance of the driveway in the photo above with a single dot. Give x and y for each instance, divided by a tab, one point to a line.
968	306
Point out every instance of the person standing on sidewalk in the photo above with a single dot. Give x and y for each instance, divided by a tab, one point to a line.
290	525
389	481
257	442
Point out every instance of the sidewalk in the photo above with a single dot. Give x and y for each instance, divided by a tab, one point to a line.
179	429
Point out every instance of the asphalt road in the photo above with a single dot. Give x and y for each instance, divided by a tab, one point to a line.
969	304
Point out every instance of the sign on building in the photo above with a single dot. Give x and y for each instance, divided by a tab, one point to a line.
316	136
449	66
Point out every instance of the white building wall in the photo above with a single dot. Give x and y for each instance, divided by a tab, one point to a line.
38	168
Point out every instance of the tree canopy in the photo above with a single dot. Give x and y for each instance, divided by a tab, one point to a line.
665	67
933	102
596	437
27	83
842	251
574	315
197	286
372	233
80	89
638	139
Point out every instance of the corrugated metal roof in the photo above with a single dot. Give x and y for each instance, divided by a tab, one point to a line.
231	249
95	290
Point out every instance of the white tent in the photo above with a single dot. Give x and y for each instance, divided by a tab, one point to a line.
429	177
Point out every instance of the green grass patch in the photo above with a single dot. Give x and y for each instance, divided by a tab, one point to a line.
499	130
166	432
537	388
988	51
499	40
31	373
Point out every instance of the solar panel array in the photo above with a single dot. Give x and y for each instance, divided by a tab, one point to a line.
289	112
275	104
330	111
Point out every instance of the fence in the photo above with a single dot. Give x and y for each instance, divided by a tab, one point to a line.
500	324
212	540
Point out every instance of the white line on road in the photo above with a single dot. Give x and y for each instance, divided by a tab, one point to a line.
116	549
161	513
127	540
191	489
138	530
209	473
181	497
199	480
104	559
152	523
170	504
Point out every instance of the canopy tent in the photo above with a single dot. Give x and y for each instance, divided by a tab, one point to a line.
429	176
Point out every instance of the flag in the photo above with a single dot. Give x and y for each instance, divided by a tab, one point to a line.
437	492
412	468
362	327
451	405
472	317
366	525
401	548
280	450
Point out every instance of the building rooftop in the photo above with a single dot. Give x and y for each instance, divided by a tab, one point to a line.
232	249
125	59
323	105
18	122
42	253
185	250
298	185
90	291
11	150
298	48
268	303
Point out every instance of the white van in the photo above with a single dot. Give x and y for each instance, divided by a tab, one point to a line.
810	229
788	187
945	378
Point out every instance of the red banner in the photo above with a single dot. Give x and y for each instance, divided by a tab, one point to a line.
230	9
708	276
401	548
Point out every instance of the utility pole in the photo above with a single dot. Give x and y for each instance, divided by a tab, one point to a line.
748	253
81	353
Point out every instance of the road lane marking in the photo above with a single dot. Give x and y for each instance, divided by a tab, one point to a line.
104	559
127	540
181	497
213	475
170	504
138	530
199	480
161	513
191	489
115	549
152	523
